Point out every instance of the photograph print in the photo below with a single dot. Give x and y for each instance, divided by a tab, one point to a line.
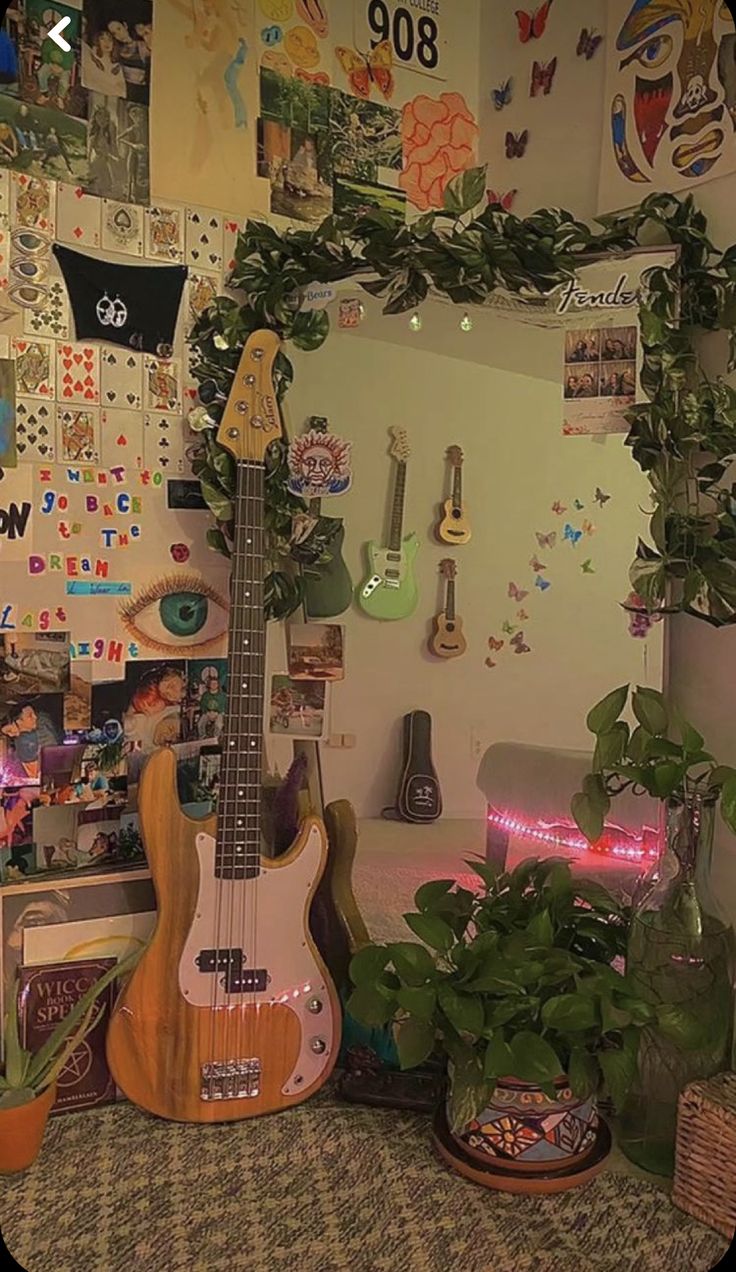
116	48
117	143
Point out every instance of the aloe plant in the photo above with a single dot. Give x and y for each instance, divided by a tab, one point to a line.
27	1075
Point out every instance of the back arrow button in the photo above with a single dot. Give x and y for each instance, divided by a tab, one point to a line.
57	37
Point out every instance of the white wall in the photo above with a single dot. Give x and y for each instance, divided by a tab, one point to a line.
561	168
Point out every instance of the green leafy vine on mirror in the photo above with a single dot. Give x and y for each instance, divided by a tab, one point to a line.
683	437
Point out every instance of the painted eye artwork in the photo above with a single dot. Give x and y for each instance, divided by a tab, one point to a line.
177	614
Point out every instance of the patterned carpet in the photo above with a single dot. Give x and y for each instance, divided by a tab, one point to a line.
326	1187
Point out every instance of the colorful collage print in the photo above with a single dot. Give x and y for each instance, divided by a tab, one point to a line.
81	115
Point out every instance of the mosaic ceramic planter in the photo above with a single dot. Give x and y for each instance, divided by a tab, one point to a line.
522	1129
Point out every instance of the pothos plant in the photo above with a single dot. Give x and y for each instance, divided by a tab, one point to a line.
512	981
683	437
663	755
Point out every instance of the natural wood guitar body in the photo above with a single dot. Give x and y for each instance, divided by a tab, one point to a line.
157	1042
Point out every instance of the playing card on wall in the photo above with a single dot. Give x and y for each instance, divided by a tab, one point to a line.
164	234
121	439
78	373
201	291
122	227
165	443
33	202
34	434
162	385
204	239
52	316
77	435
34	367
77	217
121	379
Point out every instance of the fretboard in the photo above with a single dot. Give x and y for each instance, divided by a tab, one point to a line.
450	602
397	513
457	487
238	853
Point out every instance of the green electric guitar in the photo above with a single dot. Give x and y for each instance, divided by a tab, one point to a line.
390	590
328	587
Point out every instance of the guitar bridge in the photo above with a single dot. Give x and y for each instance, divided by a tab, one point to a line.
231	1080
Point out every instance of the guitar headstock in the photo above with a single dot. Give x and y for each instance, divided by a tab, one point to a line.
455	456
448	569
400	449
251	419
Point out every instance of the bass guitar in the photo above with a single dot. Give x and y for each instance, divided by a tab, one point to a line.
454	526
390	591
230	1012
447	640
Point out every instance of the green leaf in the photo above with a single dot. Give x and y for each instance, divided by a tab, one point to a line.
534	1059
499	1059
429	893
691	739
370	1007
433	931
469	1091
605	713
570	1012
596	896
728	802
414	1042
310	330
650	710
667	777
681	1026
420	1002
588	816
16	1097
583	1073
619	1070
540	928
610	747
413	963
464	1011
16	1059
367	965
639	744
465	191
614	1019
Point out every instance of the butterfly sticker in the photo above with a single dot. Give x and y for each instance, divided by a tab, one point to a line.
601	497
490	663
578	505
559	508
533	25
505	201
517	593
588	528
520	646
502	95
366	69
587	567
508	629
522	616
495	645
548	540
588	43
572	534
541	583
543	74
537	565
516	144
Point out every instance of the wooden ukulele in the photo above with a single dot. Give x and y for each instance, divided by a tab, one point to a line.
390	591
454	526
447	640
230	1012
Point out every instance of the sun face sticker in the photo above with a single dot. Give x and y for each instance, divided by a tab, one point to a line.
178	614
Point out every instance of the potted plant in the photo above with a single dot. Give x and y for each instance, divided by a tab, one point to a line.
28	1082
680	949
514	984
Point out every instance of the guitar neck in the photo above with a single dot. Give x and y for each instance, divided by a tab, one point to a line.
397	513
457	486
450	601
238	852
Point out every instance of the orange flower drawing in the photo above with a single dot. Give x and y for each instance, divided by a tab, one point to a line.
439	139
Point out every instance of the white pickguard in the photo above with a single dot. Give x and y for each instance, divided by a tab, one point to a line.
251	918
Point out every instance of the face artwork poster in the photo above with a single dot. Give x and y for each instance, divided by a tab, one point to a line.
208	77
670	98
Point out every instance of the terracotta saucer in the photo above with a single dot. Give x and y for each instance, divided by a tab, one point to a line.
490	1175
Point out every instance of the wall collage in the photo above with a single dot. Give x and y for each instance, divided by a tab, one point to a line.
112	625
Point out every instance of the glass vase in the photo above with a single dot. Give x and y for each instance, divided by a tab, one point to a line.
680	957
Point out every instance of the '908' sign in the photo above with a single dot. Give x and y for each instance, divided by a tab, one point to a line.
414	28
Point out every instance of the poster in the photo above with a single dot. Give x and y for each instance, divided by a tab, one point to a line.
417	33
670	98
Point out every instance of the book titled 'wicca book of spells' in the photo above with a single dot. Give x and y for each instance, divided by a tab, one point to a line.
47	995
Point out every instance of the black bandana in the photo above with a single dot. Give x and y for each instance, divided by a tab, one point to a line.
131	305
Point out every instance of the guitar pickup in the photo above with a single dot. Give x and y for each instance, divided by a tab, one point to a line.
252	980
220	961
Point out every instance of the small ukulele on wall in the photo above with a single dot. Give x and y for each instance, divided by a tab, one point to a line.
390	591
447	640
454	526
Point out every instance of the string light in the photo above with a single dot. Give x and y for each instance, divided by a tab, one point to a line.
615	842
466	323
415	322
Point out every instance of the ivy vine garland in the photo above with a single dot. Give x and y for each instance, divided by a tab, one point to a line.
683	437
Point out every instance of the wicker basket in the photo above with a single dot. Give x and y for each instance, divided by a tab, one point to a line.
705	1179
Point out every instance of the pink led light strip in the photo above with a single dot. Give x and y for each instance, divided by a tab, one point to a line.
615	841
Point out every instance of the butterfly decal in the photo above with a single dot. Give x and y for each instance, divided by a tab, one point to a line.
321	78
519	644
366	69
495	645
559	508
572	534
517	593
508	629
548	540
533	25
587	567
537	565
578	505
503	200
588	527
588	43
601	497
522	616
516	144
502	95
490	663
543	74
541	583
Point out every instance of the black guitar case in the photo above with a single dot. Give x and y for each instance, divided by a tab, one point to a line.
419	798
